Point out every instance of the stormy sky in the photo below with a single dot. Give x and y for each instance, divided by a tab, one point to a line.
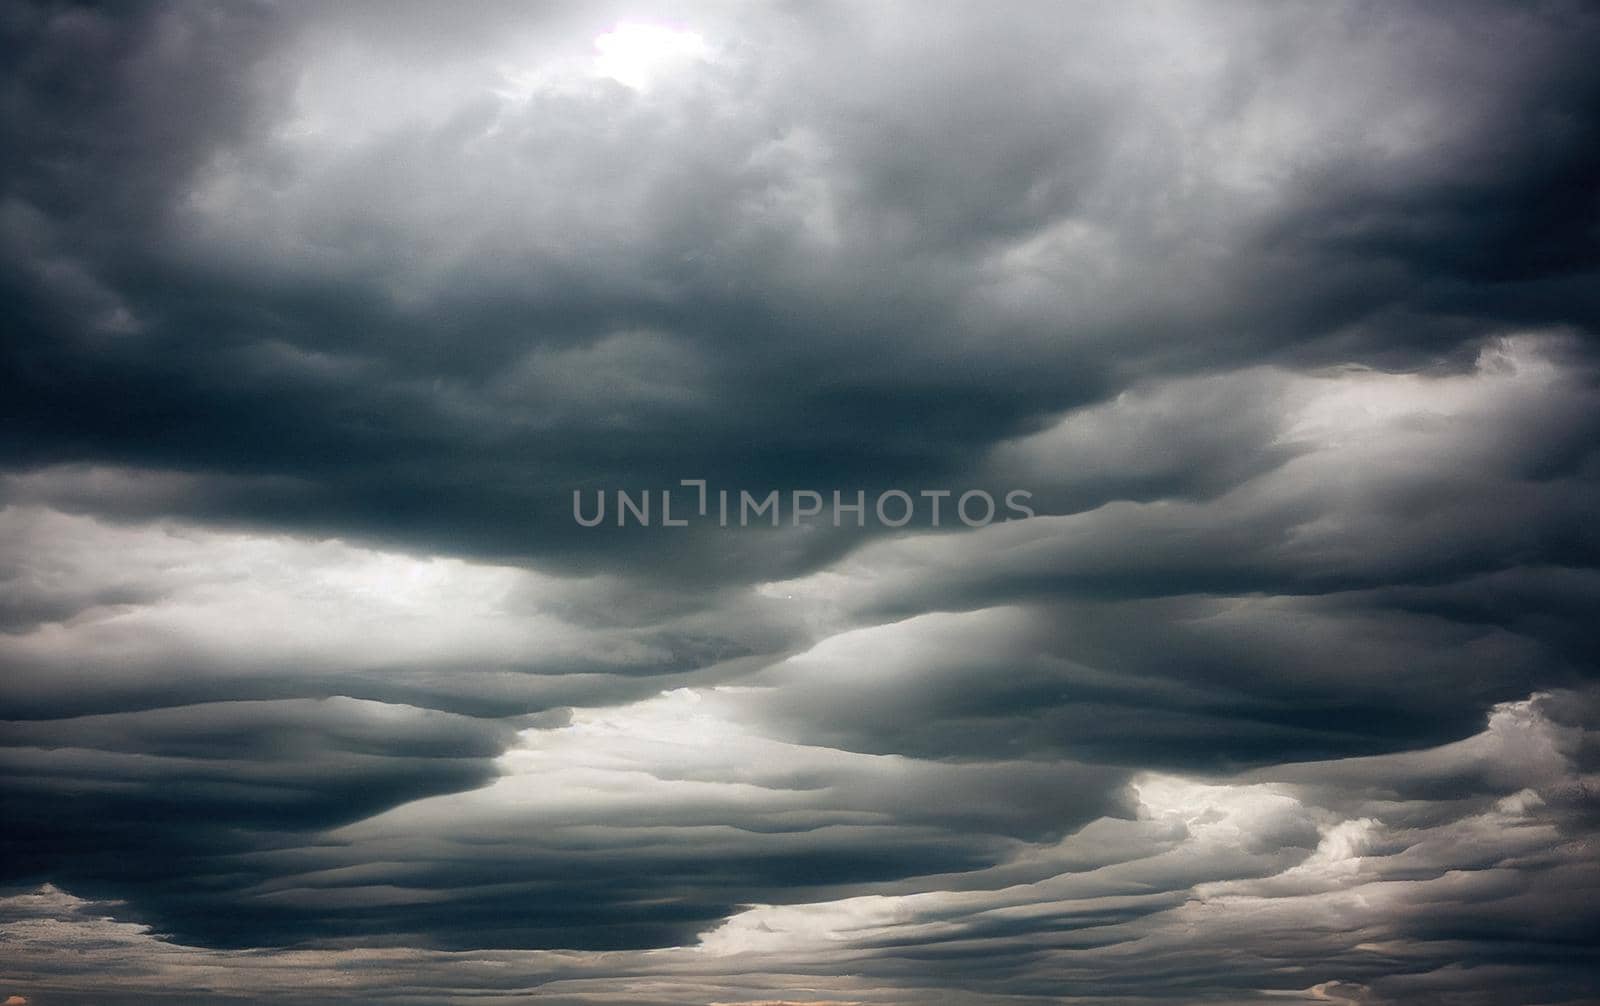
316	317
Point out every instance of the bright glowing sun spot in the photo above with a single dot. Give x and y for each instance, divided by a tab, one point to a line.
638	55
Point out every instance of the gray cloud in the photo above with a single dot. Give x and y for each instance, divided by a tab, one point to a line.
1211	885
316	318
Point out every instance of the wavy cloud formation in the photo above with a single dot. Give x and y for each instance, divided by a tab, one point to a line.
311	686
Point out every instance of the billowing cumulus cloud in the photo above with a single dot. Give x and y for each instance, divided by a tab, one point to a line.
1282	315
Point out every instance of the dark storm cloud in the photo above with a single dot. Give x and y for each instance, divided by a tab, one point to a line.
1185	684
316	317
78	785
1211	888
264	777
860	259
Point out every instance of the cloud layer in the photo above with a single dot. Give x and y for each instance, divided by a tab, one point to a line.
313	688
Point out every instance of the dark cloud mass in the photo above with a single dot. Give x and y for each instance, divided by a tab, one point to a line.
316	316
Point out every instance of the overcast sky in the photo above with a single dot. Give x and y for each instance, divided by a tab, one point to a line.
315	318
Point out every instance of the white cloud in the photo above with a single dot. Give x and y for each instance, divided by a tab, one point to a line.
638	55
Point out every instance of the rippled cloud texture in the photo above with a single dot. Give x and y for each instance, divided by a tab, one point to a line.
316	316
